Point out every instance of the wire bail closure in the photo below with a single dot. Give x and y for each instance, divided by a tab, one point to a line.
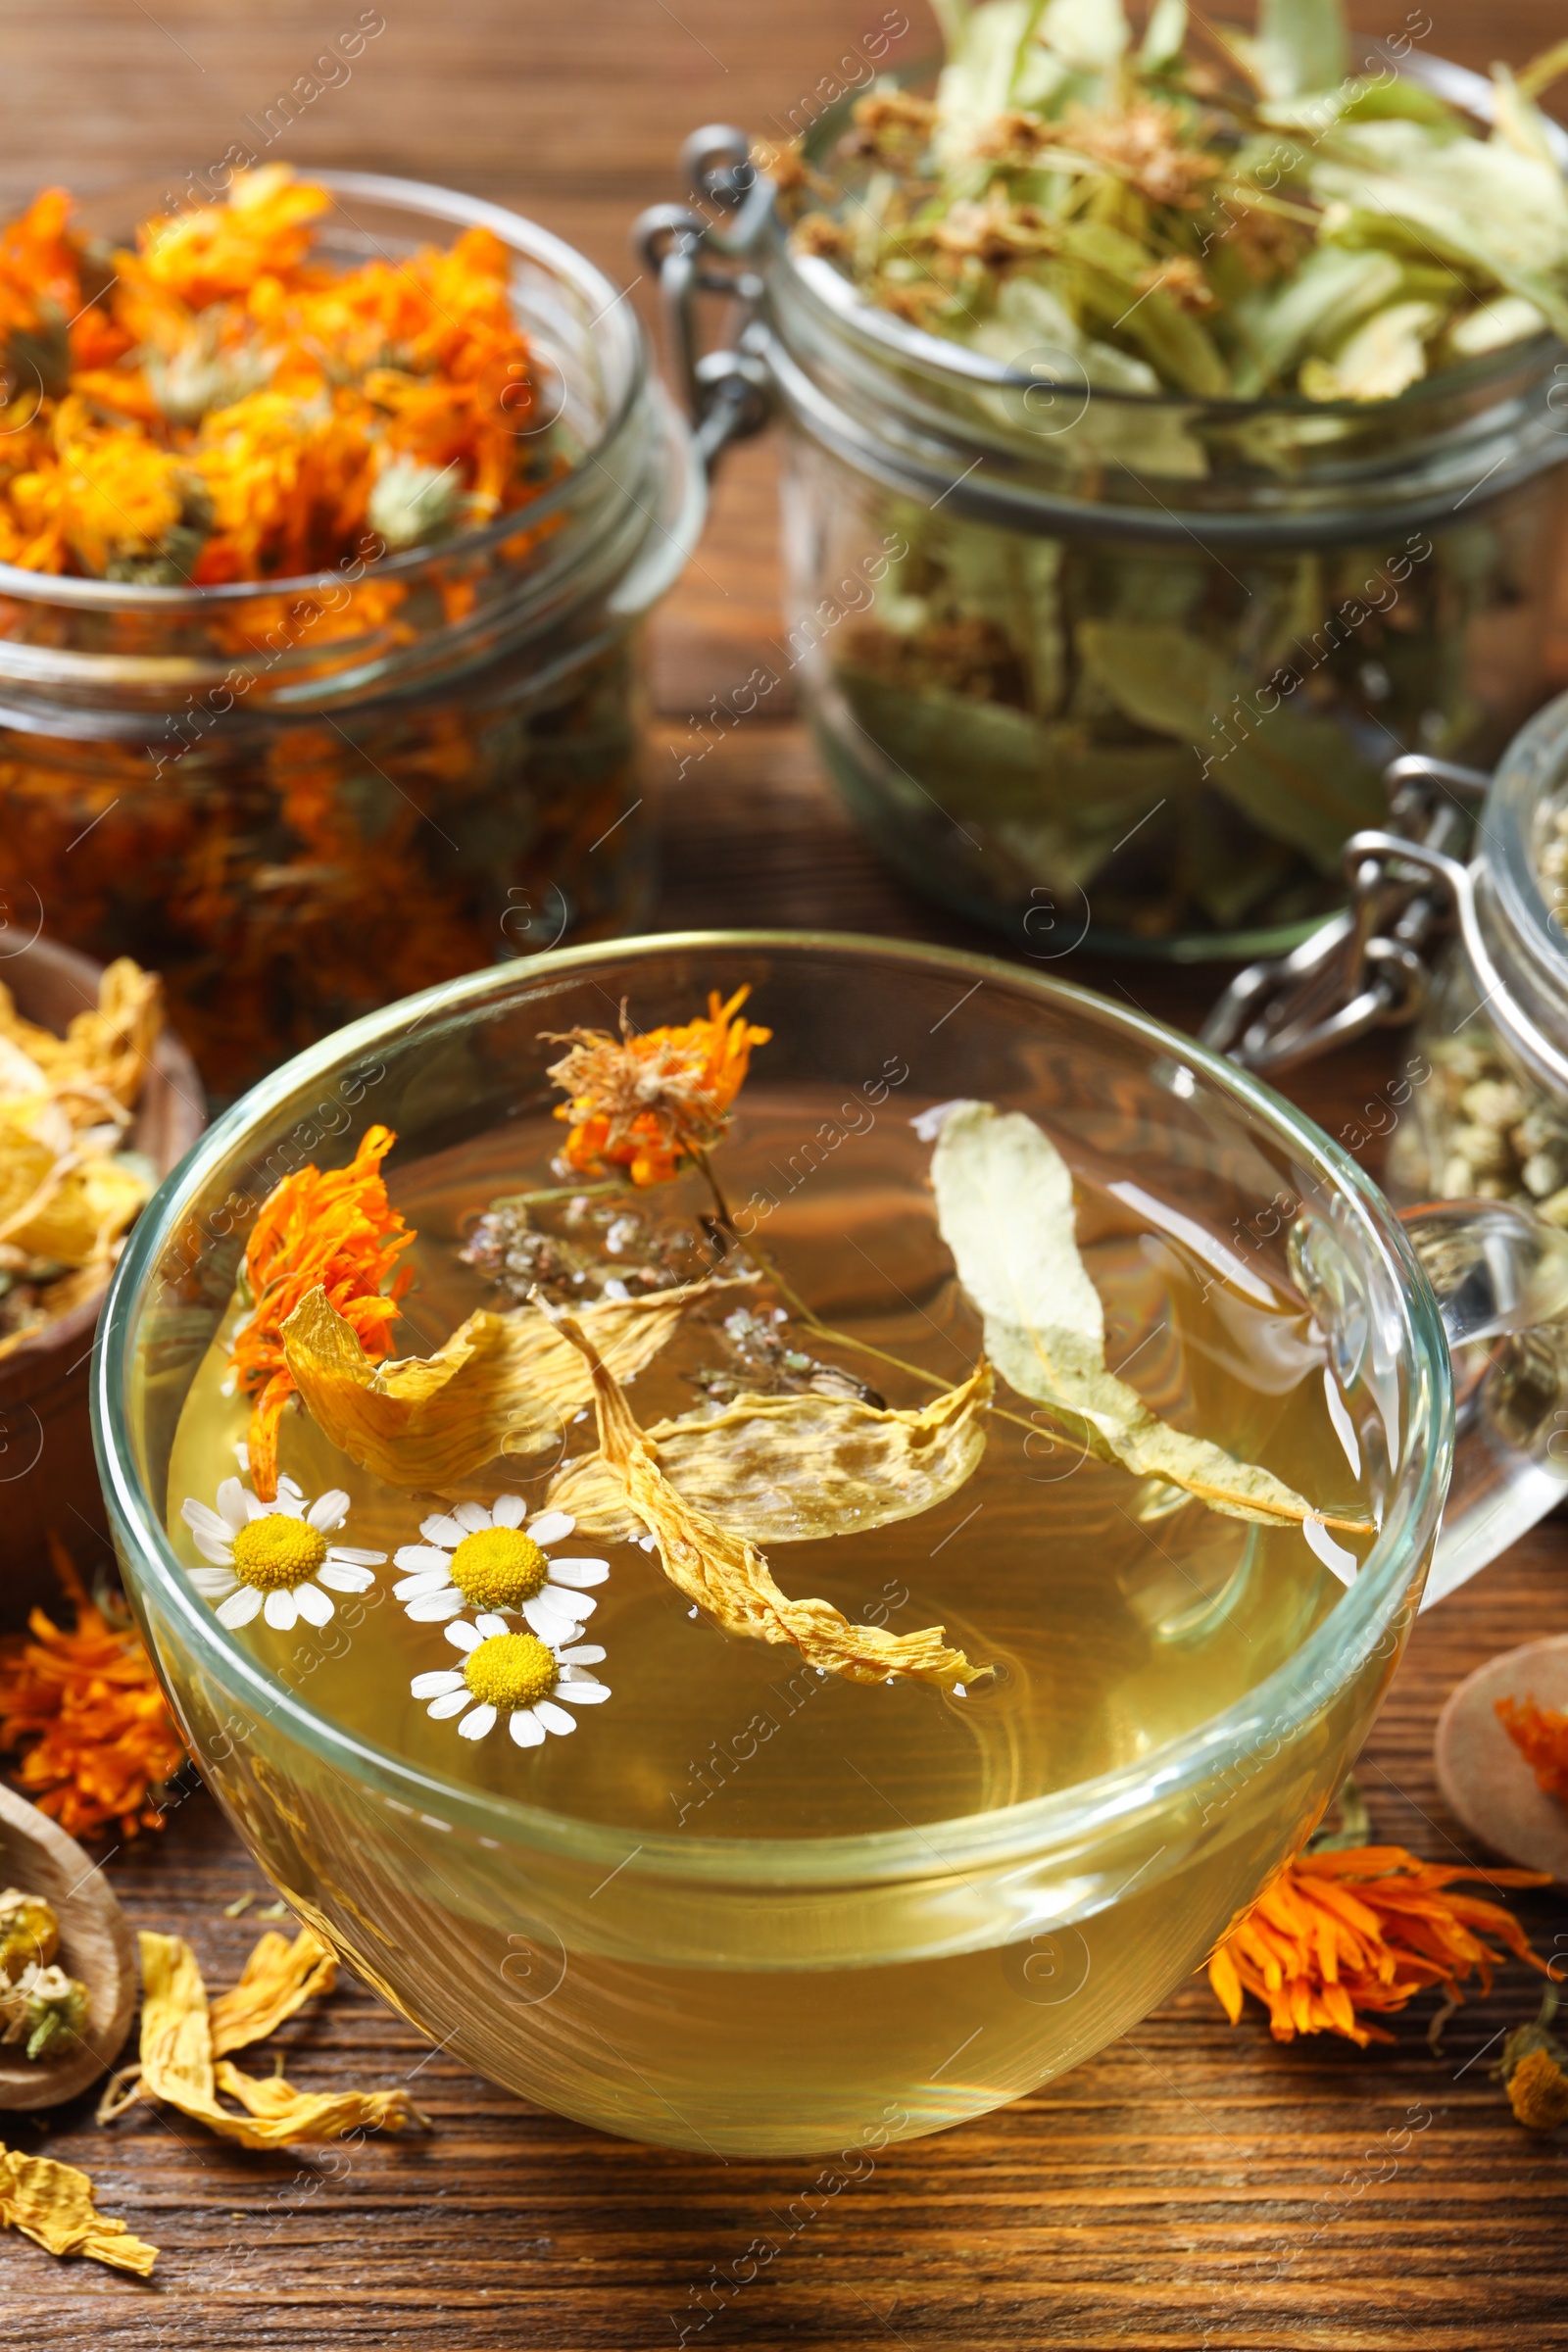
1366	967
726	390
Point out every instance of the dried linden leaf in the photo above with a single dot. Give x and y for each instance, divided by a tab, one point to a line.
786	1469
500	1383
1005	1210
179	2044
52	2204
731	1579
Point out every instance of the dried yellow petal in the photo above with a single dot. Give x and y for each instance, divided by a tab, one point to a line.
104	1052
500	1383
52	2204
178	2041
80	1218
731	1579
277	1978
788	1469
1004	1207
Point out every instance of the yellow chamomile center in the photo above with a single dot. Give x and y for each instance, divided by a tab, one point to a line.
511	1670
278	1552
499	1568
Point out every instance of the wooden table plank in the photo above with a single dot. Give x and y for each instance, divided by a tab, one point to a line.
1194	2185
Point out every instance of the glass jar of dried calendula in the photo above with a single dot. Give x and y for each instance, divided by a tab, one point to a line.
327	516
1197	422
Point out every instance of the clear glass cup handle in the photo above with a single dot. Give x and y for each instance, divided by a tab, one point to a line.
1501	1276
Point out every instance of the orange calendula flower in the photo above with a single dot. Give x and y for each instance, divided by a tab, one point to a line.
1538	2092
1541	1735
1535	2069
1337	1933
338	1233
219	404
650	1101
86	1710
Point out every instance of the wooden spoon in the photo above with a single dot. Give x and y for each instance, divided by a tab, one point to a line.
36	1855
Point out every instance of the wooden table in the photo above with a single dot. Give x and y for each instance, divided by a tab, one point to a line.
1194	2185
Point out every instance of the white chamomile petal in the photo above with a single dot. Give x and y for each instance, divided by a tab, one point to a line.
590	1655
523	1728
341	1576
475	1726
490	1625
289	1490
452	1702
427	1581
328	1511
436	1605
280	1611
551	1526
510	1510
578	1573
212	1583
233	1502
242	1604
313	1605
439	1684
348	1556
583	1691
554	1718
217	1549
413	1557
551	1624
463	1637
575	1605
474	1519
202	1519
443	1530
242	1455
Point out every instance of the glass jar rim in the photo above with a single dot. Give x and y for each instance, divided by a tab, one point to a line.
1275	1708
522	237
832	296
1528	936
826	291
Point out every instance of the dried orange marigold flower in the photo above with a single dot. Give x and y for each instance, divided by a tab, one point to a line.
86	1710
1541	1735
650	1101
1538	2092
339	1233
1361	1930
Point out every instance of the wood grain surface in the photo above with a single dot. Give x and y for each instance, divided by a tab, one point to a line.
1193	2186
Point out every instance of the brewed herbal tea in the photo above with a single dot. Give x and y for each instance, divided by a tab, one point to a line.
683	1476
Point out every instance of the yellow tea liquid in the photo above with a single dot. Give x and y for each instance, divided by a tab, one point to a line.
714	2001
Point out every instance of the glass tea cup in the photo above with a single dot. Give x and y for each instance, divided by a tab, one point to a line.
771	1993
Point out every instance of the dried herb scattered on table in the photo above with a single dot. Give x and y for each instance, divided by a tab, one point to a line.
83	1711
53	2204
184	2041
1349	1932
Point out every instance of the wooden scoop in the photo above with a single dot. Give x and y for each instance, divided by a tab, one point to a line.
37	1856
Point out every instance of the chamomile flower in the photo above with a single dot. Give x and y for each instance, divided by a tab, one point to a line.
532	1682
273	1559
474	1558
